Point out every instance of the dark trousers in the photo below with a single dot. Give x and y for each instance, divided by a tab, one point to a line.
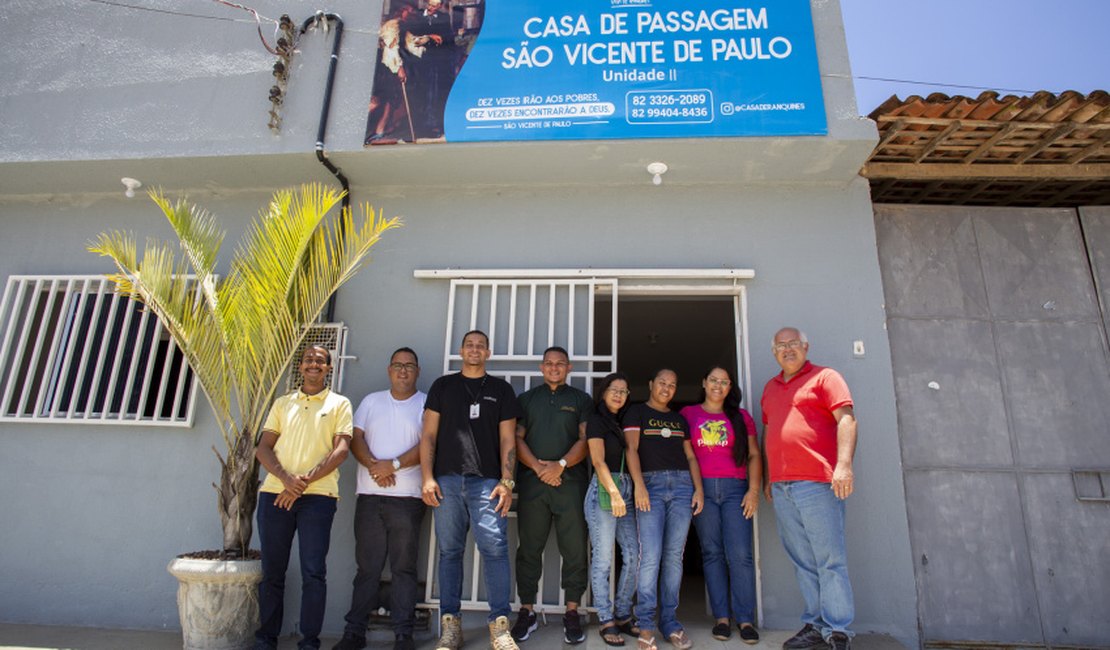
539	506
385	526
310	520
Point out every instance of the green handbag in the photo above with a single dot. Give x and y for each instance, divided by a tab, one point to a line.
604	501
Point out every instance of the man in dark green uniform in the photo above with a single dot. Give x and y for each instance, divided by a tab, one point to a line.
552	481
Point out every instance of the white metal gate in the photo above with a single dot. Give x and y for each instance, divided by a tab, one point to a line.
523	317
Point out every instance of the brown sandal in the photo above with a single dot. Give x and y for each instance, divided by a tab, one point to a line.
611	635
628	626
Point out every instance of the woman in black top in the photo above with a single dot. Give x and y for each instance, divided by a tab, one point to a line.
606	443
668	493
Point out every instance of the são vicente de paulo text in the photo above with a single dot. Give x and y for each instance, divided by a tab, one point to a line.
539	55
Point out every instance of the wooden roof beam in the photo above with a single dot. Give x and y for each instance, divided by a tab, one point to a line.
999	136
1030	188
890	132
913	120
1091	149
1001	171
924	192
1060	197
977	190
1056	134
941	137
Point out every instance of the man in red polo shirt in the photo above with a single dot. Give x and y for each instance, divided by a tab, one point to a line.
809	432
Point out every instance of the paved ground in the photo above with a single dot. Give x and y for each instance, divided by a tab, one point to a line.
549	636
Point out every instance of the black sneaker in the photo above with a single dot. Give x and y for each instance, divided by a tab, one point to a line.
807	637
722	632
525	625
748	634
572	627
403	642
840	641
350	643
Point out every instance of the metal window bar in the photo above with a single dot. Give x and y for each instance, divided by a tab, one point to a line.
97	332
65	358
70	341
332	336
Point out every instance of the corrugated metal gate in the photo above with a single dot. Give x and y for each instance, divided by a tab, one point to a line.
998	333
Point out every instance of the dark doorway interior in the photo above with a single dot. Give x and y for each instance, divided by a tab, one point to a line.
688	335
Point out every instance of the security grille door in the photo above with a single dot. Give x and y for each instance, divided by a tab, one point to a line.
525	311
523	317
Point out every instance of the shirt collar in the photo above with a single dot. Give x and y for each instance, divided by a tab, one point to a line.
301	395
805	369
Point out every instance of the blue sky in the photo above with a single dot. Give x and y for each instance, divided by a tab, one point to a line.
1012	46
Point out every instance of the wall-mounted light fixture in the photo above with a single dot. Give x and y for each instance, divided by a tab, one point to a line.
657	169
130	185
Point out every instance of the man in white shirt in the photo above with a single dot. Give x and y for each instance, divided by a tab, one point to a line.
390	511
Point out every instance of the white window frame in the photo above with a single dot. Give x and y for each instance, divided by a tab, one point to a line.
30	337
626	282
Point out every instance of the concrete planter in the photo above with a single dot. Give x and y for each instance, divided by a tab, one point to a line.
218	602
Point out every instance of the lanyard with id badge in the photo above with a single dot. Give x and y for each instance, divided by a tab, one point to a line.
476	400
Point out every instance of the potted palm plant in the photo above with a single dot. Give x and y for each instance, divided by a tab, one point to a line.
238	333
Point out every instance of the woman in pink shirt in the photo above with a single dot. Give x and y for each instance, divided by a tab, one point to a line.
724	441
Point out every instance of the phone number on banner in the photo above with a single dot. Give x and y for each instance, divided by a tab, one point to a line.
669	106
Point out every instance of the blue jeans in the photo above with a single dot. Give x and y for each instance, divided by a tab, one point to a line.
662	541
605	529
811	525
726	549
310	519
466	504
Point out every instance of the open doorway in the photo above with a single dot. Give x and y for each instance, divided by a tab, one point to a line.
687	319
688	334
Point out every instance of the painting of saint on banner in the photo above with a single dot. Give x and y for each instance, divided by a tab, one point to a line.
422	46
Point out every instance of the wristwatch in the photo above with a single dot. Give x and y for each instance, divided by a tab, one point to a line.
509	483
396	464
563	463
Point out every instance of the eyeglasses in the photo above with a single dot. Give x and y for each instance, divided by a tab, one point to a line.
719	382
788	345
619	392
398	367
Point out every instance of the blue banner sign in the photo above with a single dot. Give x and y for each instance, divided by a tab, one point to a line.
605	69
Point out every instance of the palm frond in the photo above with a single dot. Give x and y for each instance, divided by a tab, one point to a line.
239	334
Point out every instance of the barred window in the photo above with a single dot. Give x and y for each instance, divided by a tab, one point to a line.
333	337
73	351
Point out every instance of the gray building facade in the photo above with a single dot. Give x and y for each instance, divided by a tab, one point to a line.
743	236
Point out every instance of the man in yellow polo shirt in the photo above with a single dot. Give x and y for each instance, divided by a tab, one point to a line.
306	437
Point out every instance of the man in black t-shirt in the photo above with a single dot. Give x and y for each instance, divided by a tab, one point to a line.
467	457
